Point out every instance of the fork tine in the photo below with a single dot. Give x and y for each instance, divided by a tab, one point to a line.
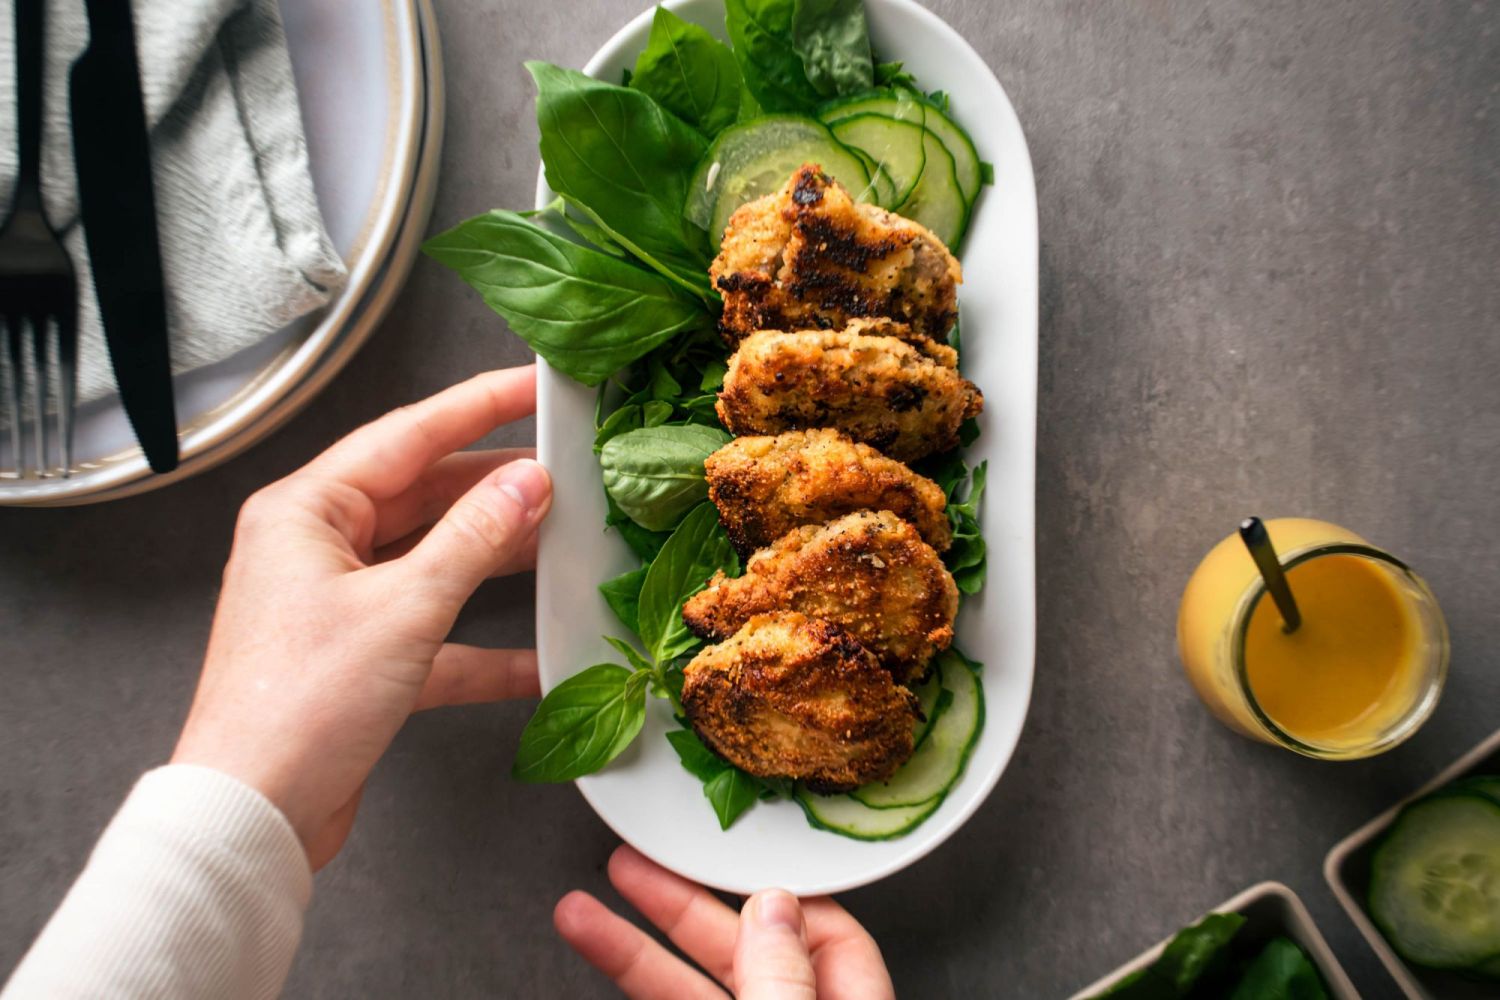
67	375
39	382
13	398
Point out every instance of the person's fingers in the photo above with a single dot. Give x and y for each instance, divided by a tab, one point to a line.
641	968
479	533
383	458
771	960
436	489
690	915
846	959
522	557
463	675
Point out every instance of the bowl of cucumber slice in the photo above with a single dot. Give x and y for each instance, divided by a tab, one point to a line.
1422	882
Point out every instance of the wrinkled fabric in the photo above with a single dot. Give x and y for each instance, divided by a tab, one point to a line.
244	248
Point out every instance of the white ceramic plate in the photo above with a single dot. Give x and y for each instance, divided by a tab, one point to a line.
645	795
363	79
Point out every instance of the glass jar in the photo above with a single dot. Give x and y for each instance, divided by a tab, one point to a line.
1214	626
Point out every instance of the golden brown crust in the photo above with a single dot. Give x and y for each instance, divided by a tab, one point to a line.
793	697
905	399
766	486
808	256
869	572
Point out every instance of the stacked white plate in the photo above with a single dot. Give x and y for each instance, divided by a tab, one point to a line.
369	76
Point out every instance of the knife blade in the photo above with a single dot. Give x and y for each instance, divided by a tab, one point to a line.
117	203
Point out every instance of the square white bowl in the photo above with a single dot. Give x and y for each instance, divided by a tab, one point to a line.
1269	909
1347	869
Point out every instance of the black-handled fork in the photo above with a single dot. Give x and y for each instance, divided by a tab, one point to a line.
38	291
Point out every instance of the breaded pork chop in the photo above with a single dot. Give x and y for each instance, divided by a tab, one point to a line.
907	400
766	486
809	256
793	697
869	572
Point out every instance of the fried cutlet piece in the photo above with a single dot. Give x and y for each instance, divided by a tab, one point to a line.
907	400
789	696
766	486
808	256
869	572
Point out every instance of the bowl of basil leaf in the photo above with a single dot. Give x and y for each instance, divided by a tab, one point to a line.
1260	944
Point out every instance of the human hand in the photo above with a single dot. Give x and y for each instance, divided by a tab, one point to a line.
773	949
343	583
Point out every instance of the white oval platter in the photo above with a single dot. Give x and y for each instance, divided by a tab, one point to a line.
645	795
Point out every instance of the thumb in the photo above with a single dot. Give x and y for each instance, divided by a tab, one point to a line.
770	953
479	533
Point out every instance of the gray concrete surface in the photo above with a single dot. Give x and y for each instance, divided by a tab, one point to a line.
1269	284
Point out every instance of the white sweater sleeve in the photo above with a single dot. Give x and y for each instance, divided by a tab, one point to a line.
196	889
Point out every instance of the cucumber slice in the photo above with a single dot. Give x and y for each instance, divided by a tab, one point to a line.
905	106
754	159
849	817
937	202
1435	881
1484	784
920	165
930	702
882	188
896	147
939	761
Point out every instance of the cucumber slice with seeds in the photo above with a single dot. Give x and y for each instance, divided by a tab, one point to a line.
755	159
906	106
896	147
940	760
1435	881
921	167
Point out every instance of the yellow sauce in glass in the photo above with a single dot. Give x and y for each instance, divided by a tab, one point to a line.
1339	677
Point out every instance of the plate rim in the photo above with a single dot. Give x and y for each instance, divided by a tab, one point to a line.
550	381
277	391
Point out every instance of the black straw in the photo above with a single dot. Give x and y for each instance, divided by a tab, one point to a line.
1258	541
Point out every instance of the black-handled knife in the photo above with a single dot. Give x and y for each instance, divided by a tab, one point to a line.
117	203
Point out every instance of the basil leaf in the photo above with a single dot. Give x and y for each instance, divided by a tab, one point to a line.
690	73
636	660
696	549
587	313
623	595
761	31
629	417
623	155
655	474
645	544
690	278
890	74
1188	957
749	108
731	793
582	724
966	555
970	505
663	385
656	413
833	40
986	172
701	762
713	376
729	790
1281	970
